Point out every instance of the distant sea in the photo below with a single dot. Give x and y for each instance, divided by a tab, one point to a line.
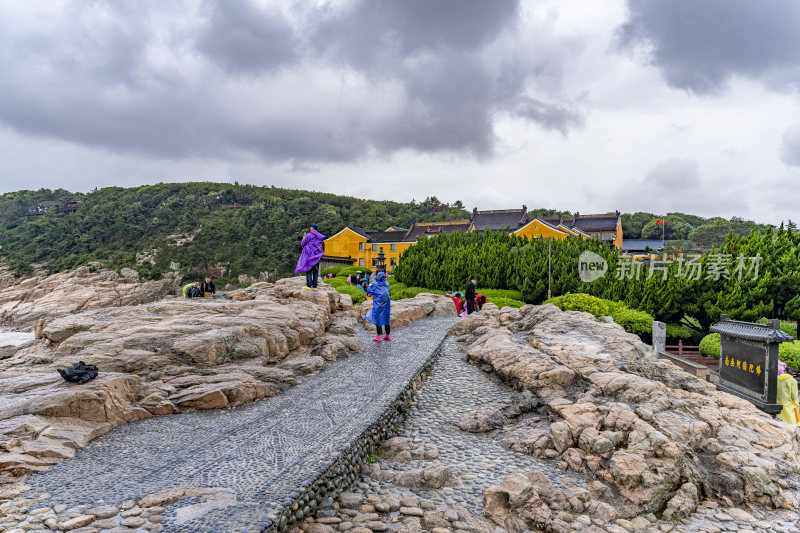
14	338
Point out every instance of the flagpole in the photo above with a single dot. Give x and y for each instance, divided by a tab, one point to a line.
663	223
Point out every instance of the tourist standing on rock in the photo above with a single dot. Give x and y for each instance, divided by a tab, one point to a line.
470	295
381	311
207	288
313	250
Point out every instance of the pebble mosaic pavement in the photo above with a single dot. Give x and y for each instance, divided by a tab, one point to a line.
265	452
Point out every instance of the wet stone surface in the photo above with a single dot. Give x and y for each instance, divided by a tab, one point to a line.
261	453
453	388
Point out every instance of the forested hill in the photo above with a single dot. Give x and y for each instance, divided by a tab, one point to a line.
247	228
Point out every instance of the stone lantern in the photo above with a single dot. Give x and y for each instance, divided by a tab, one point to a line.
381	262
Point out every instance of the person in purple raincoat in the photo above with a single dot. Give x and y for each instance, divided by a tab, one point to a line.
309	260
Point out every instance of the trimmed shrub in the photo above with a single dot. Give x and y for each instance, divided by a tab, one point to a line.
632	321
331	270
357	294
581	302
789	353
410	292
336	282
502	302
709	345
352	271
500	293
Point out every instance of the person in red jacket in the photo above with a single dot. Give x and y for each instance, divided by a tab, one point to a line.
456	300
480	300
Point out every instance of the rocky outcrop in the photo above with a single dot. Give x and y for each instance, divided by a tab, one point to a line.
655	438
408	310
25	301
161	358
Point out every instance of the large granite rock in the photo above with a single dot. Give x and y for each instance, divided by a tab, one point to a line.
658	438
160	358
25	301
408	310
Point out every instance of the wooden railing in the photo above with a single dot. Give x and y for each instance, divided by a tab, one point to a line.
692	353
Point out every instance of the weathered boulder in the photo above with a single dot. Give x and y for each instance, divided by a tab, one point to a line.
658	438
160	358
23	302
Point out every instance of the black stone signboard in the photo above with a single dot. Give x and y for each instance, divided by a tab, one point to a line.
748	360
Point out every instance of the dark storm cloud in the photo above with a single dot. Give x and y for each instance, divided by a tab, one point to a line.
244	39
452	64
790	147
550	116
700	44
235	80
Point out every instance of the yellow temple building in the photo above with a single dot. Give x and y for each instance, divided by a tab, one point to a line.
361	246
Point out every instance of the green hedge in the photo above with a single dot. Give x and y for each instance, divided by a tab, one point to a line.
633	321
788	352
337	282
508	294
502	302
331	270
582	302
357	294
352	271
709	345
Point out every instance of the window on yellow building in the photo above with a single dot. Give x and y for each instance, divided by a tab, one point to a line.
374	247
361	262
374	262
393	247
361	248
393	261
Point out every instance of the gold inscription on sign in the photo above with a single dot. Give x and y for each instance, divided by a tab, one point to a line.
742	365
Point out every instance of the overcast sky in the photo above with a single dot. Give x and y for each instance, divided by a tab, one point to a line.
591	106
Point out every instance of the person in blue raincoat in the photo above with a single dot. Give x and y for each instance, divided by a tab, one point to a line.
381	311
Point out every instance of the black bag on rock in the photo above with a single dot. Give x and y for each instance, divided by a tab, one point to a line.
79	373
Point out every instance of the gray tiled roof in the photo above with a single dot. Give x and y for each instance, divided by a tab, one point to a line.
639	245
511	219
386	236
588	223
750	332
364	232
418	230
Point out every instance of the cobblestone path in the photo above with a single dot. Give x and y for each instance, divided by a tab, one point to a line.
261	453
453	388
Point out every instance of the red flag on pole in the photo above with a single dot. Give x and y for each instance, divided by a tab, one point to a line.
660	221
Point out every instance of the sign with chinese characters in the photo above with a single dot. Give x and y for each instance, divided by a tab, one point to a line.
748	360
